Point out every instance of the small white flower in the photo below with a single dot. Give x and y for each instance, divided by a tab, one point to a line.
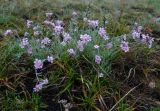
96	46
100	75
50	59
8	33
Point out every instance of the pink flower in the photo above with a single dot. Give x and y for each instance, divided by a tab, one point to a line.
48	23
38	64
93	23
46	41
44	82
80	45
102	33
135	34
71	52
39	86
124	46
98	59
29	23
24	43
66	37
58	30
37	33
85	38
29	50
144	37
59	23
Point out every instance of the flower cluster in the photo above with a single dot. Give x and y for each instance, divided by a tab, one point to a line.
81	41
58	30
85	38
25	44
38	64
138	35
